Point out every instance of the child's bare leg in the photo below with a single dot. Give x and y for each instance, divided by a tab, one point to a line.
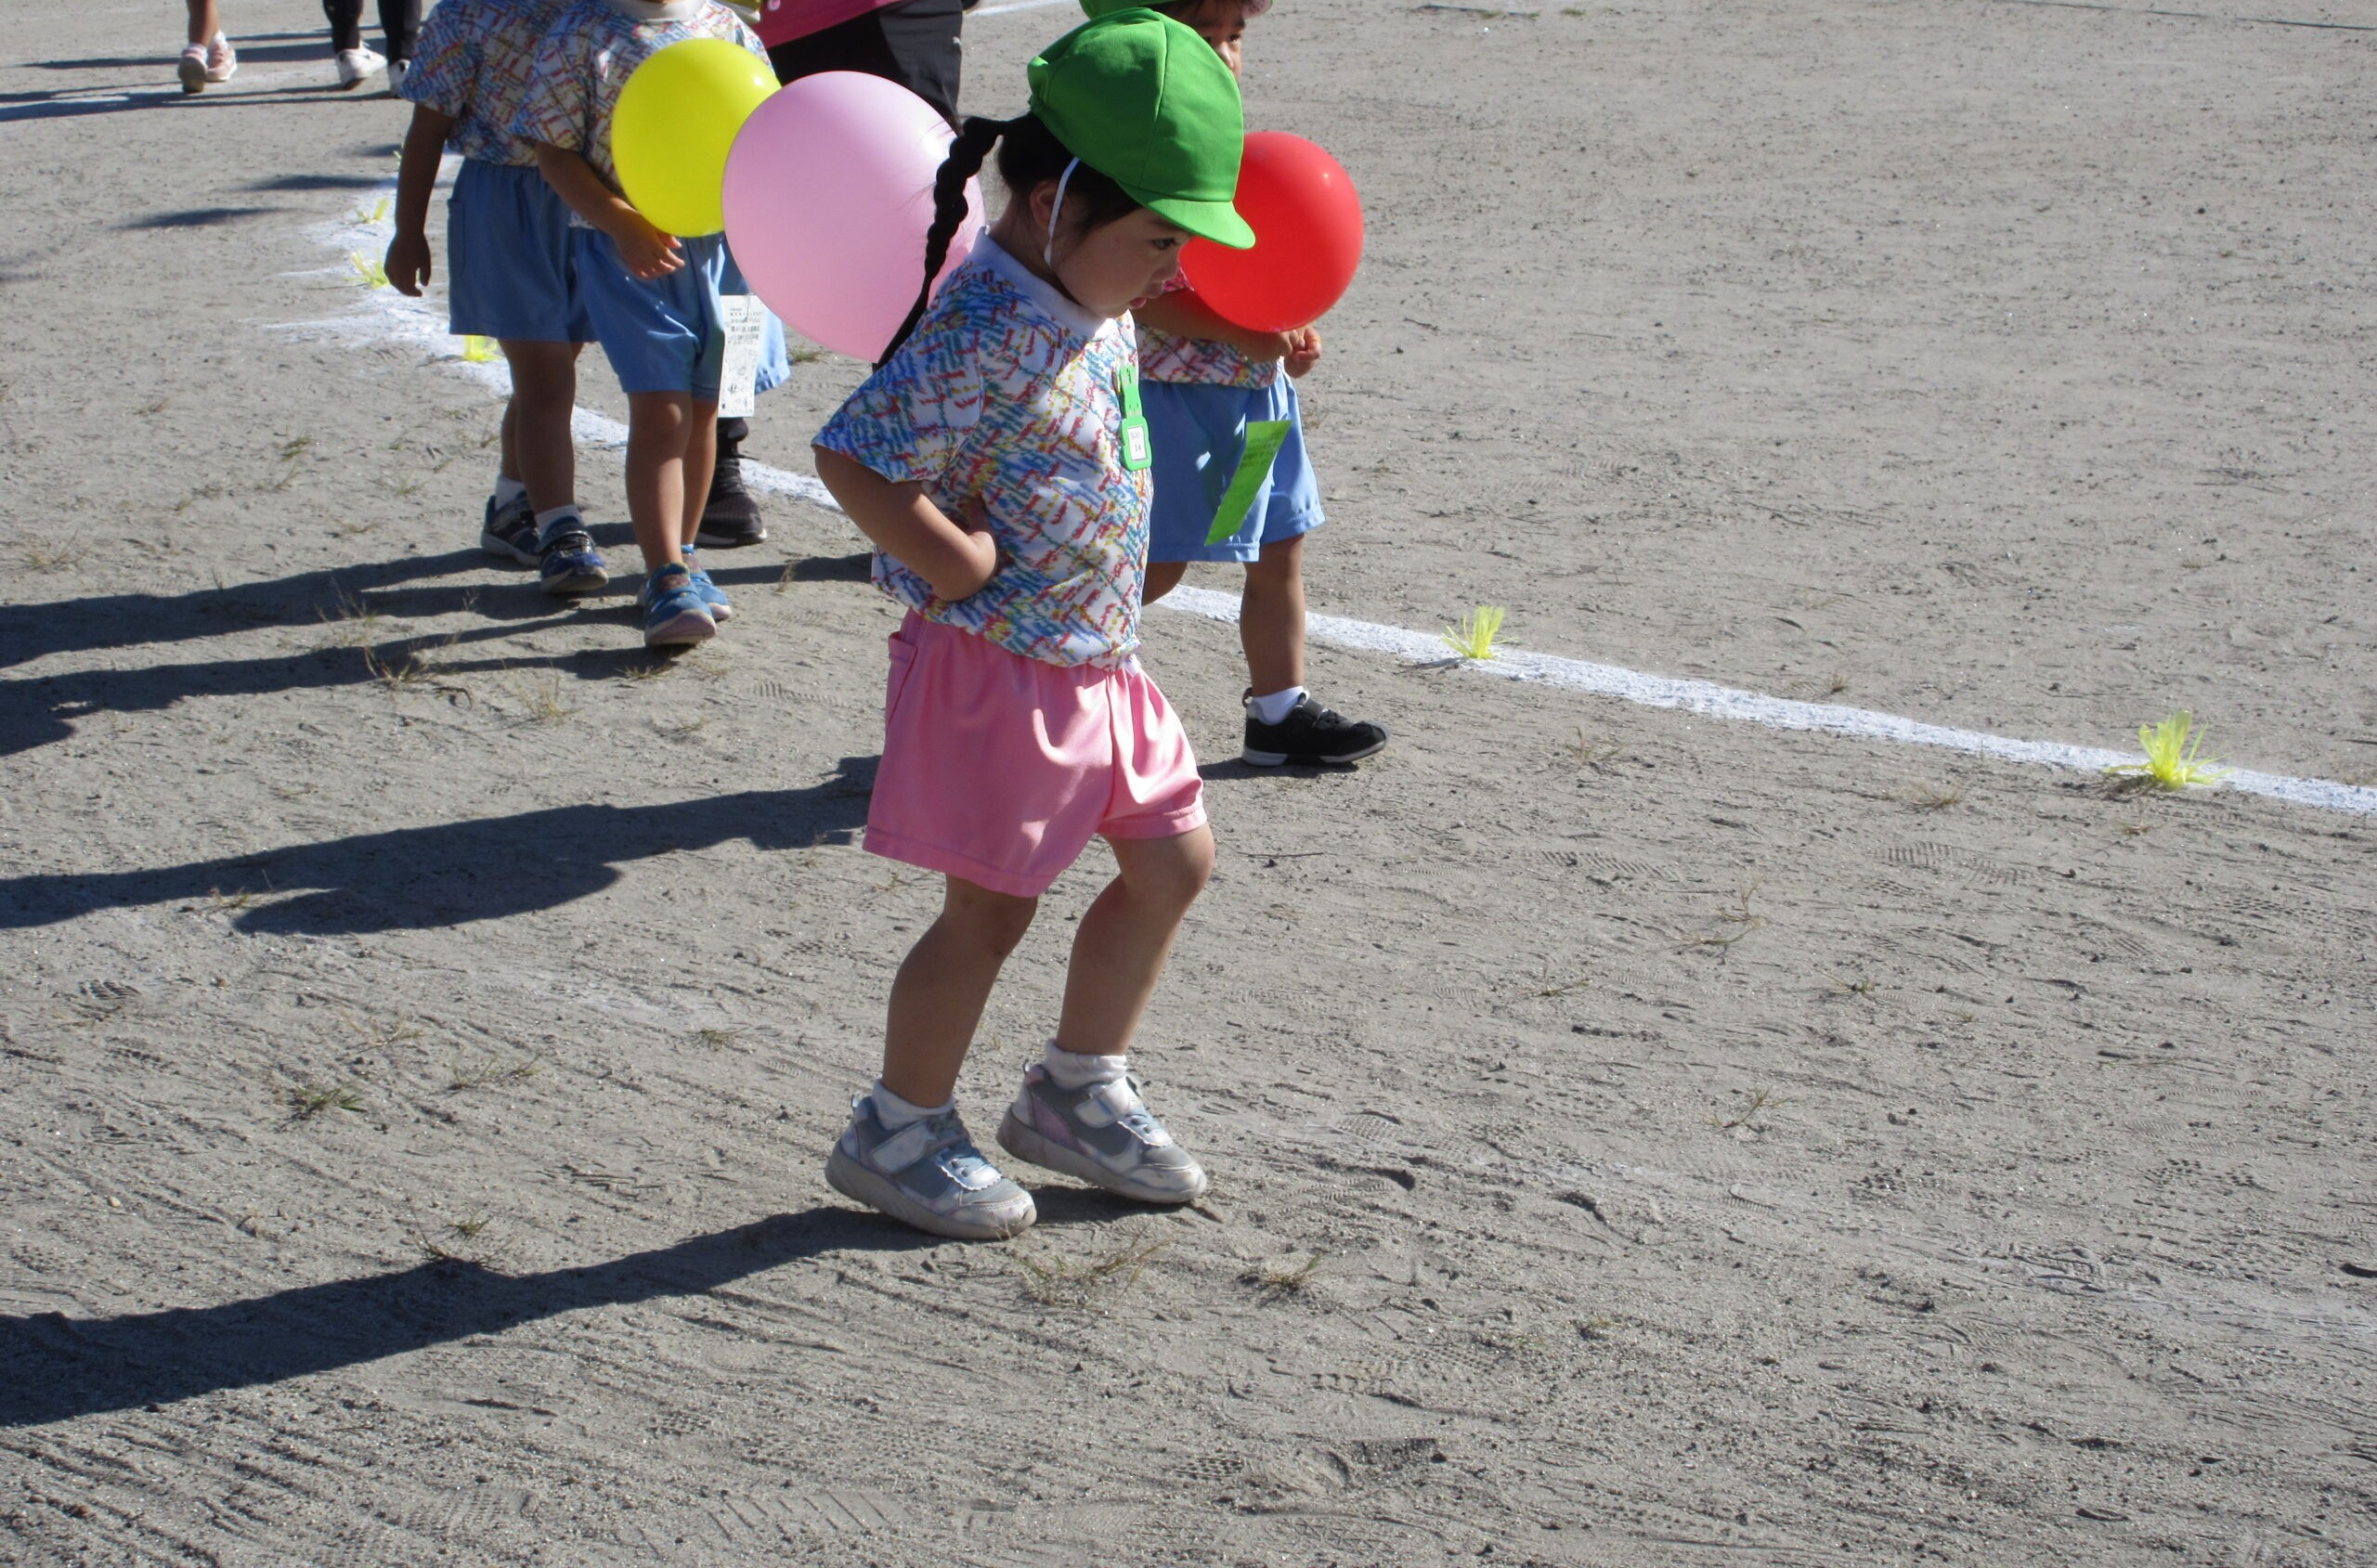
205	23
1118	953
537	447
507	461
658	423
701	457
942	985
1271	618
1162	577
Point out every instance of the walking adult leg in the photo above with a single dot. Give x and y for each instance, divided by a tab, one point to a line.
346	24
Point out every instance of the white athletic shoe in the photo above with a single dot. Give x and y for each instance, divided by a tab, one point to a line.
193	69
396	70
354	65
221	60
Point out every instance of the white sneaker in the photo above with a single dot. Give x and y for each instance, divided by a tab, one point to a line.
396	70
193	69
221	60
354	65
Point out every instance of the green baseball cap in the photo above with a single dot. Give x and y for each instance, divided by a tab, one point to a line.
1107	7
1147	103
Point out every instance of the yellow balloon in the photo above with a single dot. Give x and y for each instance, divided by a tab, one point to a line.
676	123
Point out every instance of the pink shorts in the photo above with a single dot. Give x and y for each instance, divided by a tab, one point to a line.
1000	769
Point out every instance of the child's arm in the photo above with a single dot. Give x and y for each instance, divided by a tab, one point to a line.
408	263
1182	315
648	253
956	560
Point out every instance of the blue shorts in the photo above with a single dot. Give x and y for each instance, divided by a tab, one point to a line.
508	272
666	334
1199	434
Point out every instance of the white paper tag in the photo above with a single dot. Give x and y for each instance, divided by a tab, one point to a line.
746	322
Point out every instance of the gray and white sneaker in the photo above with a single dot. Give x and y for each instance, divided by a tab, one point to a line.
928	1174
1105	1135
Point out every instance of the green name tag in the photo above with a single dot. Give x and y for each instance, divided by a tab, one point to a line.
1263	438
1138	455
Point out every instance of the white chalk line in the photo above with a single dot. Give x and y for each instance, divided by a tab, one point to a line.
386	315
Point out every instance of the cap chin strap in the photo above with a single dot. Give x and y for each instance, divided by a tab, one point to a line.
1049	250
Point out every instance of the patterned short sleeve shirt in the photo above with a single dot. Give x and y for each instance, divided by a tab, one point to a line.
1201	361
587	57
1010	394
472	63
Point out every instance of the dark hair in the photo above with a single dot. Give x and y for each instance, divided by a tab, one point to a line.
1029	153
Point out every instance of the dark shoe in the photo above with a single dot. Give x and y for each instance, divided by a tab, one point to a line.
510	531
731	517
567	562
1311	736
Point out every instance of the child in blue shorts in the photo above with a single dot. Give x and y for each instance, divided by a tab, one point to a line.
654	298
508	251
1205	382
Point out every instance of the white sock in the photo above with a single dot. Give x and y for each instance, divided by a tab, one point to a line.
547	519
508	490
896	1113
1277	705
1075	1072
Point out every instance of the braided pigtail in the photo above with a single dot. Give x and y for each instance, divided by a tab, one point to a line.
966	155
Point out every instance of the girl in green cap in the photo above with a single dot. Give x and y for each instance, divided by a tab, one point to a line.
1210	384
998	460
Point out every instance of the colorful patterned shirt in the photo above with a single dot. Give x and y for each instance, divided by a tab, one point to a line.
1201	361
472	63
586	57
1010	393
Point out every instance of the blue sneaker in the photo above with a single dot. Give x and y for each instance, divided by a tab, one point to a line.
567	562
713	596
928	1174
1103	1134
674	615
509	530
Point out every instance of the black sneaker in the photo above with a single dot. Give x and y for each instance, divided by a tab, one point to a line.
731	517
1311	736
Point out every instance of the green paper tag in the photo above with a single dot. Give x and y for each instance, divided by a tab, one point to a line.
1263	438
1131	435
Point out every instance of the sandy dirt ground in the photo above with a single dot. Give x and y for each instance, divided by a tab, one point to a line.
1639	1140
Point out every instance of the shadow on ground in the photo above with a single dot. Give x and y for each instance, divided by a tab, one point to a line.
417	878
40	710
53	1367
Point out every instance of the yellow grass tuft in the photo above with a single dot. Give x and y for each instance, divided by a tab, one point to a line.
2172	759
1473	638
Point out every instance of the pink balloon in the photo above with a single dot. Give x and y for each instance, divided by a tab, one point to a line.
828	195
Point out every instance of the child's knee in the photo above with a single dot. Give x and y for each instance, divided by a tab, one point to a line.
996	921
1171	872
664	417
1281	560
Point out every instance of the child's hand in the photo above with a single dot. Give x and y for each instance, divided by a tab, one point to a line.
407	262
1263	347
648	251
1304	349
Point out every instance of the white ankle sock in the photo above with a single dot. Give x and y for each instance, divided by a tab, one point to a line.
896	1113
549	517
1277	705
508	490
1073	1071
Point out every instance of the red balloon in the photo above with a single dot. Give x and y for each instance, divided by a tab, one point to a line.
1308	224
